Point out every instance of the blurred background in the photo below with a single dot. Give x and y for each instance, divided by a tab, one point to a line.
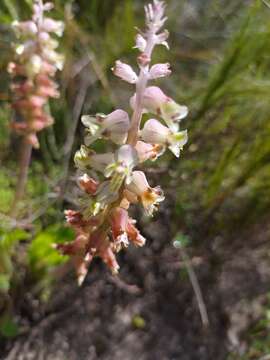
217	194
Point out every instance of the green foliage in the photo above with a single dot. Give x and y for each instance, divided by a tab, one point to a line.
41	254
8	243
229	152
44	259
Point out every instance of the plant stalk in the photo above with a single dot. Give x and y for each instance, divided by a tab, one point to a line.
140	88
25	158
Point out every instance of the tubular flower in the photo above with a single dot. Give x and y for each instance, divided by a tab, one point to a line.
114	126
149	197
156	133
159	71
123	230
125	72
121	169
35	65
156	102
111	182
147	151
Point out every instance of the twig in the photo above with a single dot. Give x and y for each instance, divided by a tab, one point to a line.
196	287
122	285
25	158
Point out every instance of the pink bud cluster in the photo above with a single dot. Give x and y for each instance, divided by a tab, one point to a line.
33	70
111	182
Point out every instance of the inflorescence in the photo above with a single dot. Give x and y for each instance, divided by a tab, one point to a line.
33	70
110	182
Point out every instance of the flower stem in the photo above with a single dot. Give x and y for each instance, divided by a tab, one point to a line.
140	88
25	157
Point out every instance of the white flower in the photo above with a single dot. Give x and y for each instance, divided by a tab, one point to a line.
26	27
147	151
50	25
159	71
114	126
149	197
156	102
161	38
125	159
86	158
125	72
156	133
140	43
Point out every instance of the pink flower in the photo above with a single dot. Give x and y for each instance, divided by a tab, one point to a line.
147	151
140	43
114	126
149	197
86	158
161	38
156	133
125	159
99	245
156	102
159	71
123	230
26	27
125	72
155	15
88	184
119	222
50	25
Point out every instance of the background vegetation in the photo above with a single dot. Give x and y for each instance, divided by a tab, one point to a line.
219	191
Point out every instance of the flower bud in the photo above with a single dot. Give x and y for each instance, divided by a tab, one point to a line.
88	184
159	71
140	43
155	15
143	60
134	234
161	38
124	72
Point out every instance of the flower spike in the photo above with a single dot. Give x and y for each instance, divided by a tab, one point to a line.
35	65
111	182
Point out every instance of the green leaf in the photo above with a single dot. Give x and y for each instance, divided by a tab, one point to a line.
41	255
8	240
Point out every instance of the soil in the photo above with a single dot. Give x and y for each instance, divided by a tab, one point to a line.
150	311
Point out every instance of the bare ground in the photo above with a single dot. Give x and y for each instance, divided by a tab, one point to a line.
150	311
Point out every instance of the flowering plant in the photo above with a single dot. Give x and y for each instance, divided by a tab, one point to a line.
110	182
35	65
